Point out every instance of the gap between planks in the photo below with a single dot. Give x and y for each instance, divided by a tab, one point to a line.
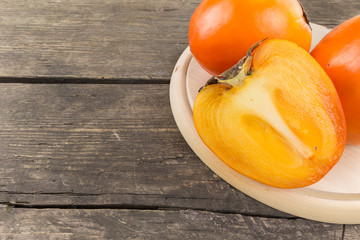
10	206
76	80
134	207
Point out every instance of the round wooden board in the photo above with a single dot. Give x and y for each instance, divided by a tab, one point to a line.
334	199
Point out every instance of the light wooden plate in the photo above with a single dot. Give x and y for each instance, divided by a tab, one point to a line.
334	199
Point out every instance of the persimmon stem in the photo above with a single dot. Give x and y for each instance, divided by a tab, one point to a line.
239	79
236	75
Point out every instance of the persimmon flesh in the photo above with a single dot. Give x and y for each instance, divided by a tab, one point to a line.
221	31
339	54
278	120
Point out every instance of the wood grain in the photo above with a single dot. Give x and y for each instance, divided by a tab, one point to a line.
154	224
100	161
107	40
351	232
104	145
92	38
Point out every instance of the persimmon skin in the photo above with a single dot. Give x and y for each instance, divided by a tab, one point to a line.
221	31
339	55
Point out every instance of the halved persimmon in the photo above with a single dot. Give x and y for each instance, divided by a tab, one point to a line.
274	117
221	31
339	54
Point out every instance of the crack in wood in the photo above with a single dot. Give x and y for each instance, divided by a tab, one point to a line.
51	193
79	80
139	207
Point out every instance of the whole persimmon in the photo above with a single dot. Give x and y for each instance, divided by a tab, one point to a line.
221	31
274	117
339	54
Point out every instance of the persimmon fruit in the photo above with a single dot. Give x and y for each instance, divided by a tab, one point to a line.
339	54
274	117
221	31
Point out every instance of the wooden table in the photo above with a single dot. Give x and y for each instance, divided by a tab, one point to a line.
88	144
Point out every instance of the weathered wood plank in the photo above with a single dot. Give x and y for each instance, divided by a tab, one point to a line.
124	40
92	38
104	145
352	232
331	13
155	224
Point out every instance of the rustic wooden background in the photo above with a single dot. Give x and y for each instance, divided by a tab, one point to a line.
89	148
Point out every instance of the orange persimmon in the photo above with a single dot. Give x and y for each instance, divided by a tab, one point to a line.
221	31
339	54
274	117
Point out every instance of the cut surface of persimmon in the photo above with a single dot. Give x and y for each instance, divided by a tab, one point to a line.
274	117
